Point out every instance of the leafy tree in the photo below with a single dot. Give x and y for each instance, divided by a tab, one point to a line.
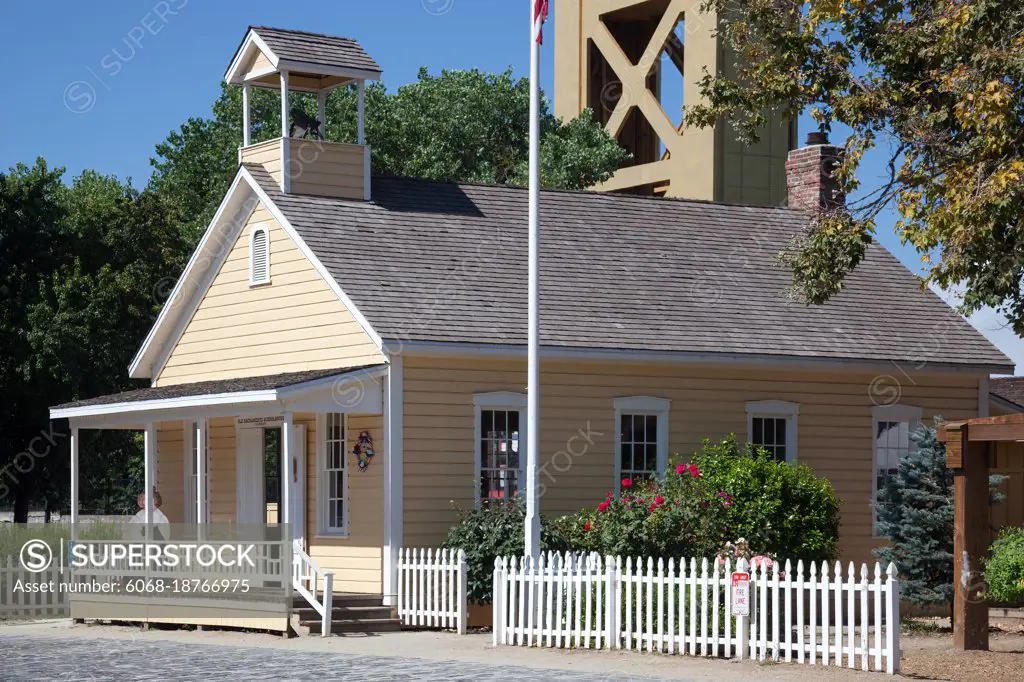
465	126
81	267
940	84
1004	570
915	512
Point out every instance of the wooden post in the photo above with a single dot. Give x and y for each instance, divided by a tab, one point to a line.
74	482
149	465
321	112
361	112
970	539
200	436
286	170
246	121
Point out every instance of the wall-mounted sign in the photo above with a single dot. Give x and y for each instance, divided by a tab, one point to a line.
273	420
741	594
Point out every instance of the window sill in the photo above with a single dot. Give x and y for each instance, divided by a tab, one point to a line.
254	285
331	536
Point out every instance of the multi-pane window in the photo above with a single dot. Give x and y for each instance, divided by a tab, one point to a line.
892	442
638	446
192	484
891	428
769	434
641	438
499	453
333	474
771	426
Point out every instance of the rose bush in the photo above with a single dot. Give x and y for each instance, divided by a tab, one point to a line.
698	507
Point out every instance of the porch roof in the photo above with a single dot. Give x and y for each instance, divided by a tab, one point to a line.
255	390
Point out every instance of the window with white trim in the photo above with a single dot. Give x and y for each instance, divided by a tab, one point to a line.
259	255
500	446
891	426
333	475
641	438
191	486
771	426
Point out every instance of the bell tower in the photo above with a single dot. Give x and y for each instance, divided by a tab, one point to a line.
301	160
636	63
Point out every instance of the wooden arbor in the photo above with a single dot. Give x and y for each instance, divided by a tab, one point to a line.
970	453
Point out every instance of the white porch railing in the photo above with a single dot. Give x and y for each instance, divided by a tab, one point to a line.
432	588
675	606
308	579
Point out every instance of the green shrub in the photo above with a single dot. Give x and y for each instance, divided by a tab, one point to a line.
782	510
492	531
1004	571
725	493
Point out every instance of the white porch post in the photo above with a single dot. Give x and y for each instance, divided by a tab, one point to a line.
246	126
284	512
201	428
393	479
74	482
150	471
286	182
321	112
360	112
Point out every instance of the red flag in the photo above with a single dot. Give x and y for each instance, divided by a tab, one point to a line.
540	15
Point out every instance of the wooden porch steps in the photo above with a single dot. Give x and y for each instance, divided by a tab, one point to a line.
350	614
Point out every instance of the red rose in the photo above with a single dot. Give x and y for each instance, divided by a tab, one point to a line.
652	507
694	471
659	500
586	526
602	506
627	483
681	469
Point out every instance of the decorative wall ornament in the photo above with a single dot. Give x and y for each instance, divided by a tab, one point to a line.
363	450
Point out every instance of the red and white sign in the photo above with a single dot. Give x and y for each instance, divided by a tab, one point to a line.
741	594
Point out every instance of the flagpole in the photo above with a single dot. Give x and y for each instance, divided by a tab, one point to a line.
532	523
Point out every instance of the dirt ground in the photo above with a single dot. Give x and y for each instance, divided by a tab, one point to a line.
931	656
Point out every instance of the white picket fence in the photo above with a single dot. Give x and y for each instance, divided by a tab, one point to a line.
678	606
432	588
20	603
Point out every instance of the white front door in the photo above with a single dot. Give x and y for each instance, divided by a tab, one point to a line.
249	502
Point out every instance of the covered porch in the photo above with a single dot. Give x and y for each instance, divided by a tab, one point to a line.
289	448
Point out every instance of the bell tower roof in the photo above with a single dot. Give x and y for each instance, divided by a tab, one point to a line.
315	61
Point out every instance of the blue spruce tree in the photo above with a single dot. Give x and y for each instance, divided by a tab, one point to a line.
915	512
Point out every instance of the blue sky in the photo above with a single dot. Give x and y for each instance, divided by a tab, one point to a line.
97	85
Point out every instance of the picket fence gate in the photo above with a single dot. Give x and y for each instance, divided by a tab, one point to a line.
16	604
432	588
679	606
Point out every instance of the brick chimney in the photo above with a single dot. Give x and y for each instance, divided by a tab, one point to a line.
810	175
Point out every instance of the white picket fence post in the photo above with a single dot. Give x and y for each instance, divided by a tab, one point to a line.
433	588
827	616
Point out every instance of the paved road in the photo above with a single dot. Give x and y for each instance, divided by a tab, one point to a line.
81	659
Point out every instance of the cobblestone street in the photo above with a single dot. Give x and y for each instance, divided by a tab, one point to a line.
42	658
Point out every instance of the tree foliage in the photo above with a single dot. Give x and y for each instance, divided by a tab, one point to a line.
915	512
935	85
81	266
464	126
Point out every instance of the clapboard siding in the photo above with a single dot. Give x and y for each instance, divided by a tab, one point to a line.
329	169
170	469
356	559
834	428
295	323
266	154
